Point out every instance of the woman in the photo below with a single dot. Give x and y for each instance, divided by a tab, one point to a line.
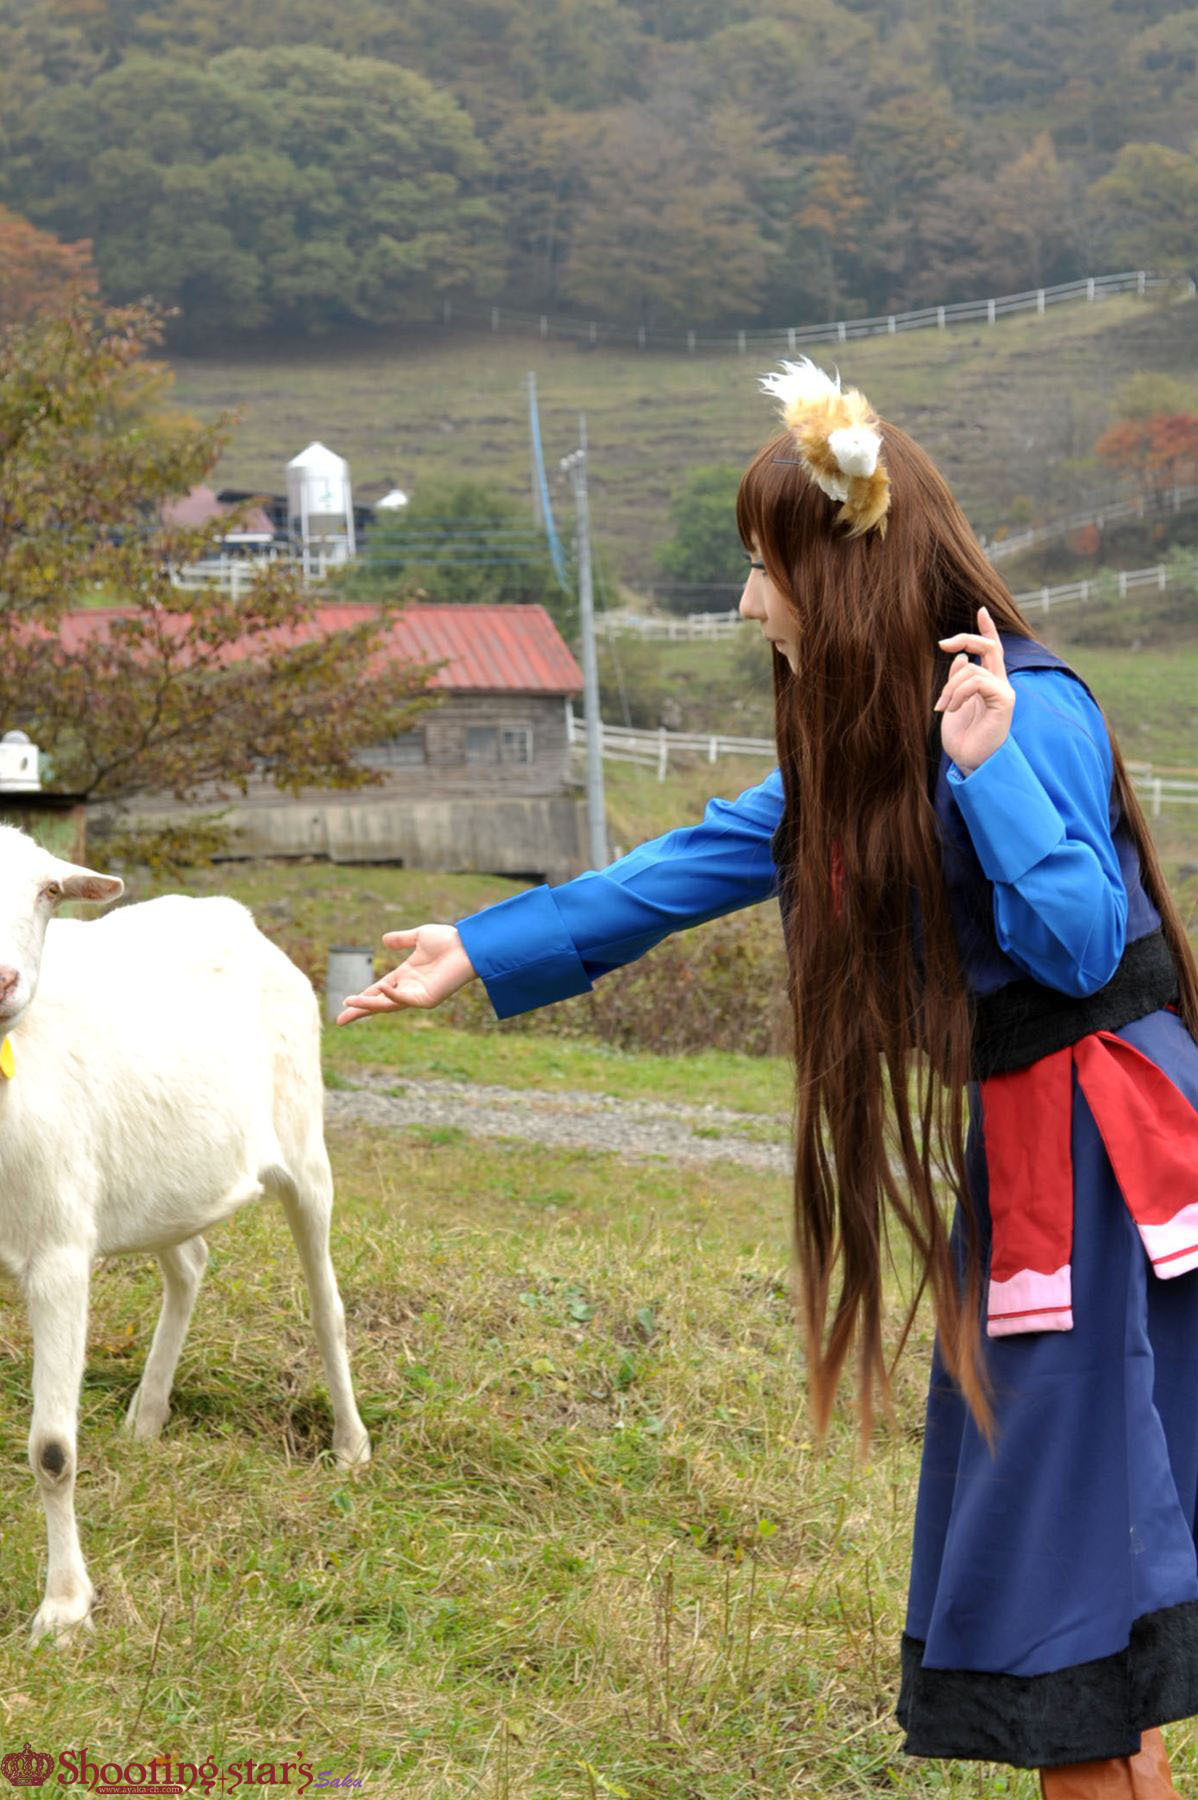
972	907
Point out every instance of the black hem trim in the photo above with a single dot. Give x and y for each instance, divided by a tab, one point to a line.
1086	1713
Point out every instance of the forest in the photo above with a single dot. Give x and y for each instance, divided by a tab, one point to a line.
296	168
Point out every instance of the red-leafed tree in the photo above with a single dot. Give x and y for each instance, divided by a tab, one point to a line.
1160	452
37	273
166	690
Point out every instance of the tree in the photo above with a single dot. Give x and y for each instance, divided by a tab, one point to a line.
668	207
37	273
704	553
1160	452
293	187
461	542
1147	205
169	691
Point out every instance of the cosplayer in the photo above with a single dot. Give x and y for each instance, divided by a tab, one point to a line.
993	996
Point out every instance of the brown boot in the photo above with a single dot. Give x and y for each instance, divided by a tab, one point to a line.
1144	1776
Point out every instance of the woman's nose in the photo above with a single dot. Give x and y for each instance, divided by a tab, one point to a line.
746	608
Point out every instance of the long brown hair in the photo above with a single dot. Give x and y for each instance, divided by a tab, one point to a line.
881	1045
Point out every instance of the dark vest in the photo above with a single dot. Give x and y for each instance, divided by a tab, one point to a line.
1017	1019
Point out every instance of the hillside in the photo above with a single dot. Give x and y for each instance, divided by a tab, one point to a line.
1007	410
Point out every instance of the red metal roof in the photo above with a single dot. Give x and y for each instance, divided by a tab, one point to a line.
512	648
484	648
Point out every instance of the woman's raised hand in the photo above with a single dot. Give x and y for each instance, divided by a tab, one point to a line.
977	700
437	967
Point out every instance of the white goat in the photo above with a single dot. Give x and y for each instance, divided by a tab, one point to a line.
167	1072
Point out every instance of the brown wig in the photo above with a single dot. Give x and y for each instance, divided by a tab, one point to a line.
881	1047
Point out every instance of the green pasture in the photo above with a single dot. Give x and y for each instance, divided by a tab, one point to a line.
1007	411
596	1552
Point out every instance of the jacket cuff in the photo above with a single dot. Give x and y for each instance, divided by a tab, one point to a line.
1010	817
523	954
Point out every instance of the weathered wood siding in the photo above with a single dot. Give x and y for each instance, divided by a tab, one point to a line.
454	760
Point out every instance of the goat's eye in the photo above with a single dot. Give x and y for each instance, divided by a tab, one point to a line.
52	891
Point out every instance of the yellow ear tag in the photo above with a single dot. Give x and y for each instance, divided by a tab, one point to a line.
8	1067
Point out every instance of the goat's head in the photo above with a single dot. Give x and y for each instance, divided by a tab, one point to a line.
32	885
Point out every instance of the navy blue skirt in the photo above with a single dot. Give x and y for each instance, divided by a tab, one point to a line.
1053	1609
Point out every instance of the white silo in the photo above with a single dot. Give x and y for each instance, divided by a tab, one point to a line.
320	508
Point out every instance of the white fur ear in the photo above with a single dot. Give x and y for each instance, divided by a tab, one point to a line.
856	448
87	884
799	383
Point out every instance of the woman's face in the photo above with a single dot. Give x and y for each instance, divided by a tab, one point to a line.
762	601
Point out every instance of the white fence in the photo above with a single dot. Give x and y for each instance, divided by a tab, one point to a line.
1171	500
653	749
695	627
840	331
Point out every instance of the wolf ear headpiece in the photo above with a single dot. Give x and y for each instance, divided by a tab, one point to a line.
838	441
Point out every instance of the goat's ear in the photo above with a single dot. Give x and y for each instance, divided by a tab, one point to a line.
86	884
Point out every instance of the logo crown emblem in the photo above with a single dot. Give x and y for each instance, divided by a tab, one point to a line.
27	1767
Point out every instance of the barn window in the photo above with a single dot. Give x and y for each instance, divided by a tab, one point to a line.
408	749
482	744
405	751
517	744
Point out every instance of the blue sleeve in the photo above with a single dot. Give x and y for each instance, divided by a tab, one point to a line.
1038	813
552	942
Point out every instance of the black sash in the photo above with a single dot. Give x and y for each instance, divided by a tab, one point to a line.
1023	1021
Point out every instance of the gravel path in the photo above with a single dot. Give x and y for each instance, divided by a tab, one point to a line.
638	1128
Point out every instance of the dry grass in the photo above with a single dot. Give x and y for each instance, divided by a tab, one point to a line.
1004	410
595	1553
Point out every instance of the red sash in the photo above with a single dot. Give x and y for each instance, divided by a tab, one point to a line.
1150	1133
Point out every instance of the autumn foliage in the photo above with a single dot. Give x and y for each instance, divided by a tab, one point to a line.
1160	452
37	273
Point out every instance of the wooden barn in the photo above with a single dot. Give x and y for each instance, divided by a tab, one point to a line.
484	781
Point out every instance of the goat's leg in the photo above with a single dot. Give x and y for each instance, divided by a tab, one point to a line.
56	1293
308	1202
182	1268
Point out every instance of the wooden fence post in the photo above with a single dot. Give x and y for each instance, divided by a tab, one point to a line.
663	753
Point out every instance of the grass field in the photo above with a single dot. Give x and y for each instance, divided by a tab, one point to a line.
1005	410
1149	695
595	1553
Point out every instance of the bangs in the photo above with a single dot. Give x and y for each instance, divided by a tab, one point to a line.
778	507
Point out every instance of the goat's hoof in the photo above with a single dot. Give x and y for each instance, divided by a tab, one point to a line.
354	1454
63	1620
144	1422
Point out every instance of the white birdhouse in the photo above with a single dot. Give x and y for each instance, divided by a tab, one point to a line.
18	764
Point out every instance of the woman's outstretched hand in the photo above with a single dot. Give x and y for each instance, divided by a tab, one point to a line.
437	967
977	700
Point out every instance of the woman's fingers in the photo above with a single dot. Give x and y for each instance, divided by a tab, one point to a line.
399	940
965	679
984	642
981	683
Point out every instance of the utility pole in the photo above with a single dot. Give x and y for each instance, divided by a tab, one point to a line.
575	466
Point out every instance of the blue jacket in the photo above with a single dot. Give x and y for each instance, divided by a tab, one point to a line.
1038	879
